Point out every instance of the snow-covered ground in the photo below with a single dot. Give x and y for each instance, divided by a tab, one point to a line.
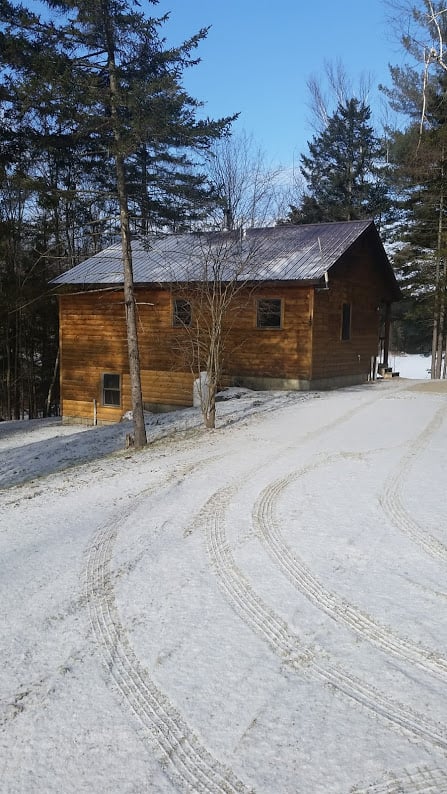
260	608
411	366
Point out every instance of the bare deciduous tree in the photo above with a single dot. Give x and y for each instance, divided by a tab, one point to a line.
249	190
219	284
339	89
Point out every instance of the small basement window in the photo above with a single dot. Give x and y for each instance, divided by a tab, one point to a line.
111	389
268	313
346	321
181	313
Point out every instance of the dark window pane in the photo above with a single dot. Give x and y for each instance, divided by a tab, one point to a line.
111	389
346	321
182	312
269	313
111	397
111	381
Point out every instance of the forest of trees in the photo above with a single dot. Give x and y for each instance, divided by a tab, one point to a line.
100	140
99	136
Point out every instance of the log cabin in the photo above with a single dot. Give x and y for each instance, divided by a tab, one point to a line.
309	306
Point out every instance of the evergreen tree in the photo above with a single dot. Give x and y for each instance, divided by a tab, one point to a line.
419	171
342	170
98	98
28	327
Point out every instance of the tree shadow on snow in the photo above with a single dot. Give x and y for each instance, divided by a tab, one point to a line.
38	458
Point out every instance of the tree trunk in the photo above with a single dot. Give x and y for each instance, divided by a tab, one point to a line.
53	381
140	438
8	373
17	373
434	338
441	331
440	335
444	368
131	313
210	416
438	309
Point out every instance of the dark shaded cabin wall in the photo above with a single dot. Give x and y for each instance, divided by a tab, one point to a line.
359	281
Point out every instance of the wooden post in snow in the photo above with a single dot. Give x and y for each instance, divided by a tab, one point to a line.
386	340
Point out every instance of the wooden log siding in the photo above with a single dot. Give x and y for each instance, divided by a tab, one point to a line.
93	342
353	280
272	352
308	346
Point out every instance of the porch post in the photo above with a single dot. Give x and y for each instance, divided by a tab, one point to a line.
386	339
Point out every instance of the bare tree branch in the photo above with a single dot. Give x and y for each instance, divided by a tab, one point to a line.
323	103
249	189
218	286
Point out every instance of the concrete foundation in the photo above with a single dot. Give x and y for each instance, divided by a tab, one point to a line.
299	384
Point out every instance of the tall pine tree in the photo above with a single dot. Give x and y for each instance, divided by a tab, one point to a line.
419	157
342	170
100	100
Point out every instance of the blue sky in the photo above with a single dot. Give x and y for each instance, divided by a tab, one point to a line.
258	56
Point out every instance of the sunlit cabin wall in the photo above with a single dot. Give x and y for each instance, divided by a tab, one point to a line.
93	342
272	357
305	351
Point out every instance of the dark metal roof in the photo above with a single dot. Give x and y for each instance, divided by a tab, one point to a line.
280	253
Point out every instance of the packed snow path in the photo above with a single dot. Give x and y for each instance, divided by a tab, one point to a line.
256	609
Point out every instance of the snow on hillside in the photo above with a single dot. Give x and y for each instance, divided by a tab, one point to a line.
30	449
255	609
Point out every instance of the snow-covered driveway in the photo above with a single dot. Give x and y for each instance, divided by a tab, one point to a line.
261	608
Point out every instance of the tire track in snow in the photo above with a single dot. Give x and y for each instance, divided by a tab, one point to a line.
286	644
185	760
268	529
253	611
391	499
422	781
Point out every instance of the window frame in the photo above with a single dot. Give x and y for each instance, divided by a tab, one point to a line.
280	314
346	321
112	389
177	322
